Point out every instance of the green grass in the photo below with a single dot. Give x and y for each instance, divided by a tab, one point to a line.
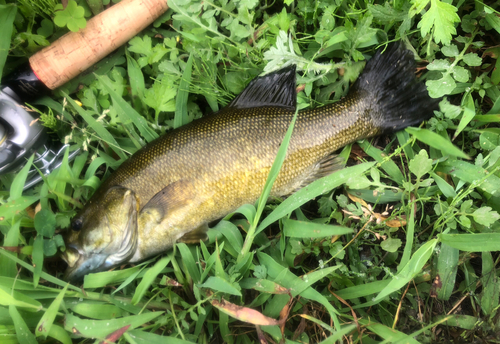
399	247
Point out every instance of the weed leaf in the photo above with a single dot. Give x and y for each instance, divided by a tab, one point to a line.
440	18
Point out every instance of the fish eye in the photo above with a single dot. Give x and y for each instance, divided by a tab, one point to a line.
76	225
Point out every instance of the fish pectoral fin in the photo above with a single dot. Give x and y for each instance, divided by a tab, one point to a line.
194	236
273	89
173	196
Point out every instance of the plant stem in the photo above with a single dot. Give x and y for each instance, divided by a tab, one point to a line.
173	315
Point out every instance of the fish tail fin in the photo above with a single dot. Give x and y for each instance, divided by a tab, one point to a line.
396	98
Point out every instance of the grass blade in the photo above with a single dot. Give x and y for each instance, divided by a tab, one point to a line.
128	111
264	196
466	322
8	266
322	324
247	210
480	242
16	189
142	337
437	141
130	278
414	266
45	324
24	335
487	118
468	115
410	232
7	16
102	328
103	133
232	235
386	164
218	284
388	334
102	279
491	287
337	335
8	297
403	138
447	266
302	229
136	78
12	208
362	290
96	310
275	169
445	188
313	190
275	333
297	286
44	275
37	259
263	285
59	333
471	173
189	262
225	332
148	279
182	95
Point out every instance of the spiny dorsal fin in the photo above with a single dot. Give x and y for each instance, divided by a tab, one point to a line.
195	235
273	89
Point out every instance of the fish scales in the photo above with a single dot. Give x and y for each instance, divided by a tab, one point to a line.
171	188
228	157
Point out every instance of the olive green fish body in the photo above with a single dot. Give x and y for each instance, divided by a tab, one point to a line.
204	170
223	161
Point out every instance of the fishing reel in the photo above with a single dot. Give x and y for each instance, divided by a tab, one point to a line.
21	135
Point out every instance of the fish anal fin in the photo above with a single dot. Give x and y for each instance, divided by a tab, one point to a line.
326	166
194	236
273	89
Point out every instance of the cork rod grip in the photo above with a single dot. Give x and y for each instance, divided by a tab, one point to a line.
76	51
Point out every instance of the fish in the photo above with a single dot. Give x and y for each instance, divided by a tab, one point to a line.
172	188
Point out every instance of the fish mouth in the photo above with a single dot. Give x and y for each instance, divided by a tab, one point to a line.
71	256
80	264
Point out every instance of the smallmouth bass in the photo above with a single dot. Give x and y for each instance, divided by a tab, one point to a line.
169	190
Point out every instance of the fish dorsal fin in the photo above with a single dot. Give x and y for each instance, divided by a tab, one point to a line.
174	195
195	235
273	89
